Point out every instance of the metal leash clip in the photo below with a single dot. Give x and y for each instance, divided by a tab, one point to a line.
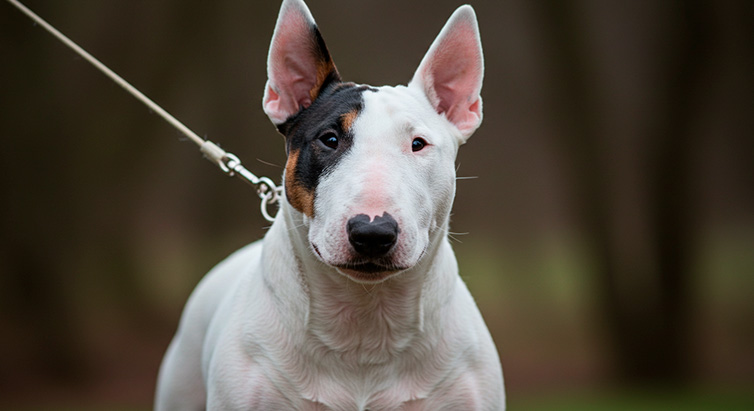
266	189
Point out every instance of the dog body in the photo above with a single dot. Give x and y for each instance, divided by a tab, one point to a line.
353	300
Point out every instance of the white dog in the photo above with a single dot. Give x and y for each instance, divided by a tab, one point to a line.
353	300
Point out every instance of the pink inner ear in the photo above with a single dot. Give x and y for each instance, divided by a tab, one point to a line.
452	74
287	67
296	64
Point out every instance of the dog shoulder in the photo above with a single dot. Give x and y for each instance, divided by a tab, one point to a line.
483	378
209	294
218	283
180	383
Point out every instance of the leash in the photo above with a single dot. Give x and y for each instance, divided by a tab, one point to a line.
266	189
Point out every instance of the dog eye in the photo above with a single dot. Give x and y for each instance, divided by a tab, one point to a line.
330	140
418	144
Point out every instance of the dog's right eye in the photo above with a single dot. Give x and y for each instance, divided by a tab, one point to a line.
330	140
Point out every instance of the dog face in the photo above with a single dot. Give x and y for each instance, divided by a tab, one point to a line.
371	169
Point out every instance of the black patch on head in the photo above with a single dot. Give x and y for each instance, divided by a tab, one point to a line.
305	130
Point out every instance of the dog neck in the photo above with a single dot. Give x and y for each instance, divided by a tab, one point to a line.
365	323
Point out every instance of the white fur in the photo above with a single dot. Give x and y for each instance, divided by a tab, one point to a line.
277	327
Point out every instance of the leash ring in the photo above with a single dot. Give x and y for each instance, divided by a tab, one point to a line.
267	199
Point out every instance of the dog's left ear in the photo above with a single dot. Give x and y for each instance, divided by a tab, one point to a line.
451	72
298	65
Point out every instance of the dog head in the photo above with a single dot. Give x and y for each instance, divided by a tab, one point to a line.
372	169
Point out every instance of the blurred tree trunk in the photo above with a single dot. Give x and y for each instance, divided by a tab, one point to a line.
672	204
649	335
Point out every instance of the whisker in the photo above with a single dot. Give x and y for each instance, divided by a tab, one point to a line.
269	163
296	227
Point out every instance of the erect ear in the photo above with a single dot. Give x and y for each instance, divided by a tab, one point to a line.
451	72
298	64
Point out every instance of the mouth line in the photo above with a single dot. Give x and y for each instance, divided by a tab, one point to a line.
362	267
369	267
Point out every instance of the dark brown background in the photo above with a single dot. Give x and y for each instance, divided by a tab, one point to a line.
610	238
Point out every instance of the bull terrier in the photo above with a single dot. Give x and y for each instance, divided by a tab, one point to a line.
352	301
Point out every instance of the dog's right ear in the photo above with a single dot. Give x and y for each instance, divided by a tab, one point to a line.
298	64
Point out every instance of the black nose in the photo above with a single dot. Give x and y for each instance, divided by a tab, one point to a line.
373	238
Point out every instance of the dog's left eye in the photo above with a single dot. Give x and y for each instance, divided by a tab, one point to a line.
418	144
330	140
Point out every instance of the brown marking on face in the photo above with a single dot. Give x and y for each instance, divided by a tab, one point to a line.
298	196
347	119
324	70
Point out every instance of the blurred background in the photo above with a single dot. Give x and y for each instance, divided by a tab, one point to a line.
608	238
